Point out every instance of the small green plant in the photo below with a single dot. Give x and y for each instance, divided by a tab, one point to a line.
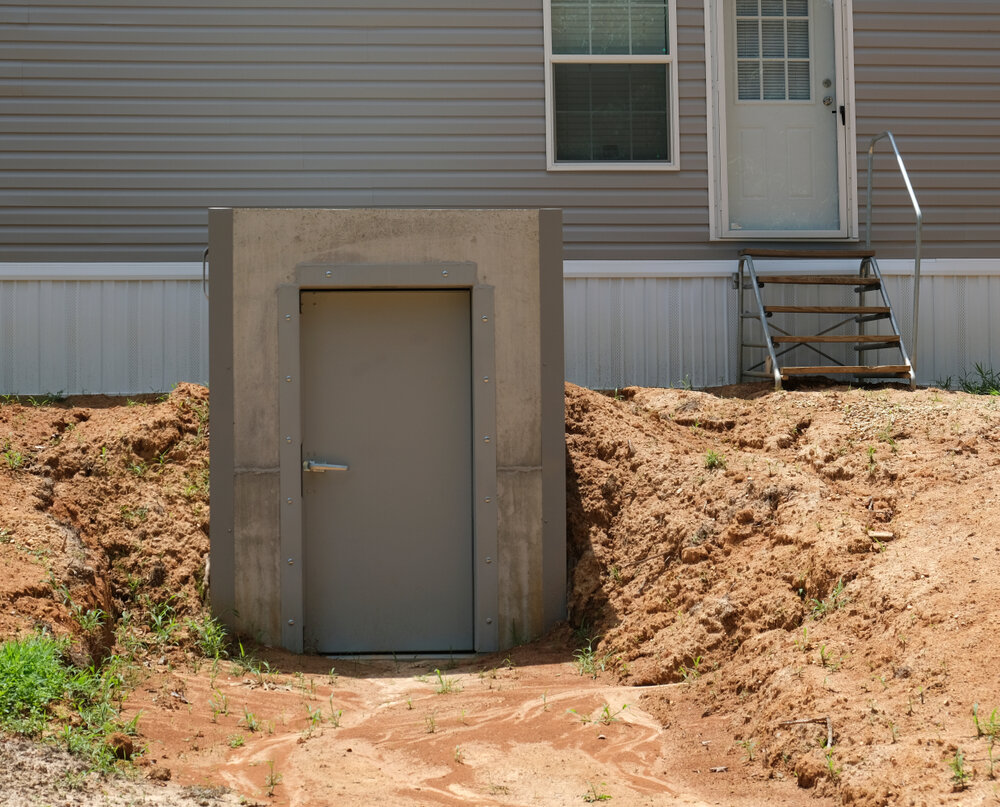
586	661
161	619
210	635
138	468
692	673
133	516
831	766
445	685
219	704
13	458
236	740
872	464
430	722
315	718
89	620
802	643
248	663
989	728
335	715
251	721
459	755
833	602
45	400
960	776
595	794
748	747
985	381
609	716
273	778
714	460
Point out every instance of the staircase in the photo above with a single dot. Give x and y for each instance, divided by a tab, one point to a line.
836	326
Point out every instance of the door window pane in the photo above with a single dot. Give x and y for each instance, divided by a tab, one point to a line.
773	50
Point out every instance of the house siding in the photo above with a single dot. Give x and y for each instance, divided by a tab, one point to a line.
125	121
929	73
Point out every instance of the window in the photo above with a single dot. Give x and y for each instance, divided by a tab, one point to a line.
772	50
611	84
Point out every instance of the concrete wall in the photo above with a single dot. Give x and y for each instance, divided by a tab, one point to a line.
516	252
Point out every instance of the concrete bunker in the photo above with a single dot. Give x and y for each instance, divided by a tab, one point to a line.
388	456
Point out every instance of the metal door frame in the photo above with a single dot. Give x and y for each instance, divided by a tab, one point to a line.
385	277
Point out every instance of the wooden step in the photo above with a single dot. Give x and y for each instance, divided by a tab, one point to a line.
821	280
841	338
876	370
819	254
826	309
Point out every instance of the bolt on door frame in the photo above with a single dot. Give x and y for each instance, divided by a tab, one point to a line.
437	276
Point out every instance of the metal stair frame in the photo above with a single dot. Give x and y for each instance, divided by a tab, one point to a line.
868	266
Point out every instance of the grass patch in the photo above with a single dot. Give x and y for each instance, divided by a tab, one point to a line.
981	381
44	698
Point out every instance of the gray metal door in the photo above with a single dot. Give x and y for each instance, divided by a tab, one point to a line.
388	542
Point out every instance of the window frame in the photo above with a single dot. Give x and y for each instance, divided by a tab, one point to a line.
668	59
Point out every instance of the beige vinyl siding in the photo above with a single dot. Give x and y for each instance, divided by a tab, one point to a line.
124	121
930	72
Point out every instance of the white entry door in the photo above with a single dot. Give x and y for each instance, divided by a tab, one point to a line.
784	144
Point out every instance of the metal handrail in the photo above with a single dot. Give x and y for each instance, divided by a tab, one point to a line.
919	231
747	261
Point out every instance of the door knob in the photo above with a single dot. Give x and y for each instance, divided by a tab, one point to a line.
321	467
827	100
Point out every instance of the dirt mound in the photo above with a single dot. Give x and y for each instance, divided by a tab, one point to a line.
801	585
105	509
798	556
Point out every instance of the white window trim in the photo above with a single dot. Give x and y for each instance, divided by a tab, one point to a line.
669	59
716	120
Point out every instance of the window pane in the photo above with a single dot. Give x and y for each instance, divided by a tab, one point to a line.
610	26
772	8
649	28
570	27
773	36
609	29
747	39
798	81
774	81
798	39
611	112
749	81
798	8
747	8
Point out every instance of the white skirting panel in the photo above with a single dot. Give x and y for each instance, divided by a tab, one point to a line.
134	329
649	331
101	336
672	323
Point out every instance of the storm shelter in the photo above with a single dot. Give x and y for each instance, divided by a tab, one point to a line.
388	467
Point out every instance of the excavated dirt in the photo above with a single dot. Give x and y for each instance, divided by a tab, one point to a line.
741	561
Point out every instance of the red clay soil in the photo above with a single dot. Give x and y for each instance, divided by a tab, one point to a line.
741	561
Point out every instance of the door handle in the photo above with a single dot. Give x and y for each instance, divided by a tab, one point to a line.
321	467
